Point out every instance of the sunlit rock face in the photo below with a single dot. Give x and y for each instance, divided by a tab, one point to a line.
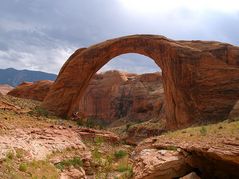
114	95
200	77
4	89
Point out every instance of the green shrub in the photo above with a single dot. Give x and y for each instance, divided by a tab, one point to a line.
19	153
23	167
98	140
120	154
171	147
80	122
124	168
96	154
90	123
10	155
127	127
76	162
38	111
203	131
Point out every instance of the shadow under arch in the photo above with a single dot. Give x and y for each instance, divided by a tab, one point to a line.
182	68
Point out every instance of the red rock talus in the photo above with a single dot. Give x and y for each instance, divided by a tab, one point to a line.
201	78
36	91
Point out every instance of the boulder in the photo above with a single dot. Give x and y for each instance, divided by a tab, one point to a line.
73	173
164	164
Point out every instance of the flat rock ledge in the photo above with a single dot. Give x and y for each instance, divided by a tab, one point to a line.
164	164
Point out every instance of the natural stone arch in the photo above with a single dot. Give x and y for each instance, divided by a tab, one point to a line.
201	79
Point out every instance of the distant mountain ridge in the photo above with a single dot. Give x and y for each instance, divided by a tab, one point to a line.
14	77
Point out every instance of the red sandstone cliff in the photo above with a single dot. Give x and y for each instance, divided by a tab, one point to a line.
29	90
110	95
115	95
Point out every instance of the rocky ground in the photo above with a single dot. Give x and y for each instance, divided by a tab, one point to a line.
36	144
4	88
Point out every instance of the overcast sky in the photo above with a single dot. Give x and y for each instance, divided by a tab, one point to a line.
41	34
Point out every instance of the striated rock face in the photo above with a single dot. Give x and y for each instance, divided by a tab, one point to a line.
36	91
200	77
97	100
165	164
115	95
211	156
4	89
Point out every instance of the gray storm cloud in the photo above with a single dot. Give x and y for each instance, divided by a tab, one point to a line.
41	34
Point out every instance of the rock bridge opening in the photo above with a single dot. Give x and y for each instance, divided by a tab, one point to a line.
129	87
200	78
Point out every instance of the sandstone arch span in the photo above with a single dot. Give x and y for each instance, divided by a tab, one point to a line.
201	78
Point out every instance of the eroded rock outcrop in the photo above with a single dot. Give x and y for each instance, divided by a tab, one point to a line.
32	90
164	164
4	89
212	155
200	77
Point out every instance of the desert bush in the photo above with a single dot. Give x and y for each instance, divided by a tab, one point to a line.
203	131
23	167
10	155
127	127
171	147
38	111
75	162
96	154
98	140
124	167
120	154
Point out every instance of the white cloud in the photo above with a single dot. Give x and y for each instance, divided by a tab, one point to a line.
41	34
162	6
131	63
48	60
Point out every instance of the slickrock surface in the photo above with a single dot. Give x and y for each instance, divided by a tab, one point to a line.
212	150
87	133
163	164
41	142
4	89
200	77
